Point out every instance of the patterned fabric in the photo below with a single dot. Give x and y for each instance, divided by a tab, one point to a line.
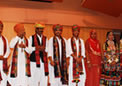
77	67
121	60
60	68
76	27
37	52
110	72
15	58
44	54
57	27
5	67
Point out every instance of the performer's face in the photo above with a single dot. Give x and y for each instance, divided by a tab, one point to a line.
110	36
1	29
39	31
93	35
58	32
76	33
21	34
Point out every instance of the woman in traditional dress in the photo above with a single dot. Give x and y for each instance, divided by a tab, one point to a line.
121	58
110	71
93	64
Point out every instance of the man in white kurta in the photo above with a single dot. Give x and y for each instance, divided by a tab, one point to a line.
55	81
21	79
75	31
39	76
3	55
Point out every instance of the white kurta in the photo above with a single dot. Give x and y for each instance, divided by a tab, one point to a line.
82	77
38	74
54	81
4	76
21	78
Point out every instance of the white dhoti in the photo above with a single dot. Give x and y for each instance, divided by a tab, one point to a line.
52	79
38	77
82	77
21	79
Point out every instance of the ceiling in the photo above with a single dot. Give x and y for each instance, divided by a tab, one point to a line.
110	7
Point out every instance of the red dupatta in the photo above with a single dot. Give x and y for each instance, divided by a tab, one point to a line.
93	46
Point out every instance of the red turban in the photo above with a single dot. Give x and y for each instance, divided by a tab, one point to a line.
75	27
57	27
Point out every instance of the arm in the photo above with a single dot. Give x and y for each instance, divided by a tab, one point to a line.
46	49
83	49
13	42
31	49
50	51
87	51
7	51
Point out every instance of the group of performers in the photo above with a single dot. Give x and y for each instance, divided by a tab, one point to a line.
37	61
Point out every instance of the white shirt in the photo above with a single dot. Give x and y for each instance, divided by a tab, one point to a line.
2	48
50	47
77	46
40	39
19	40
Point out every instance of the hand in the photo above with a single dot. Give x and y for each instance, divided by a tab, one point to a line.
89	65
22	45
113	63
52	63
68	61
99	54
79	59
1	57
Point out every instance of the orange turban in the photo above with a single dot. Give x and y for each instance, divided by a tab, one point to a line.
19	28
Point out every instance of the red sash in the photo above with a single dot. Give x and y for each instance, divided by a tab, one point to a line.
14	61
5	67
44	54
77	68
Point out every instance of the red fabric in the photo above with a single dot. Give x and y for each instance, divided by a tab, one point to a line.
92	76
0	77
28	70
93	73
45	57
93	44
77	68
37	52
13	72
5	66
